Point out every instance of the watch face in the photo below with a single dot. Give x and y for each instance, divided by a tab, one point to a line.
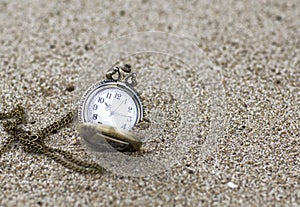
111	104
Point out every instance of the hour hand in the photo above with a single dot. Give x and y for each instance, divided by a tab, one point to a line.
107	107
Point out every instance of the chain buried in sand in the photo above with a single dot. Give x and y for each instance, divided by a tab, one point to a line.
33	143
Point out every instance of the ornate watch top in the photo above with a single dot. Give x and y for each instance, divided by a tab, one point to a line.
122	73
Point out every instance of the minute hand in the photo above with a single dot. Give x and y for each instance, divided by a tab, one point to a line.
113	112
118	114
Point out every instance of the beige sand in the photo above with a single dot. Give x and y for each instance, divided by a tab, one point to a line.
44	46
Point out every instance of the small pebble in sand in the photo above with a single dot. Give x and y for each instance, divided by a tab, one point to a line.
232	185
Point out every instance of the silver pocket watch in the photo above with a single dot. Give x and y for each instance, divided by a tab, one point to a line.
114	101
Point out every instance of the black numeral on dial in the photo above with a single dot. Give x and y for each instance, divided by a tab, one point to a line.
95	107
123	126
118	96
95	116
129	119
108	95
101	100
129	109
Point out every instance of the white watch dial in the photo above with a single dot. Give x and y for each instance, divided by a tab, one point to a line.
112	106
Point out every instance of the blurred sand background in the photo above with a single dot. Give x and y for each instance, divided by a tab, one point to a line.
44	45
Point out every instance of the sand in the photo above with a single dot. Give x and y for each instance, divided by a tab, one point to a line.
253	46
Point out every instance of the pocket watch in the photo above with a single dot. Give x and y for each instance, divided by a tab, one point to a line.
114	101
